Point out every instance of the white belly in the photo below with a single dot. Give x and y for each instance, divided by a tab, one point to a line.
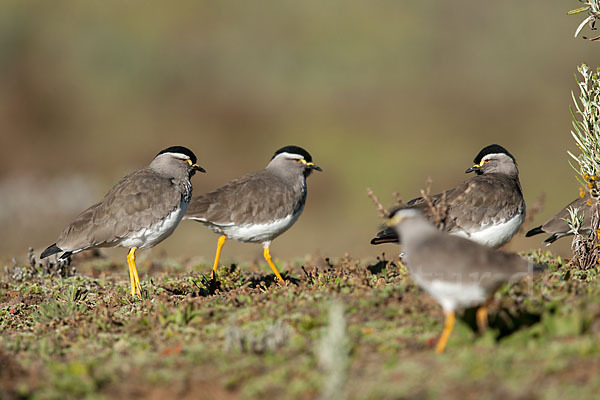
151	236
494	235
453	295
257	233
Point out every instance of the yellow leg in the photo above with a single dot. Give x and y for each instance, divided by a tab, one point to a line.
482	320
271	264
138	285
220	244
449	325
133	274
131	277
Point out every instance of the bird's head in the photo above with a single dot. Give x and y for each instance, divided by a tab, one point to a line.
176	159
293	160
494	158
401	215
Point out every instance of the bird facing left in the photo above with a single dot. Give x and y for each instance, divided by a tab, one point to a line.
139	212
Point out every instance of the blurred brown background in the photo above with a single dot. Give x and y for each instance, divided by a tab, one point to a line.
383	94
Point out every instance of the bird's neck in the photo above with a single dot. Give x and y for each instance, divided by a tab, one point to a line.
169	169
416	230
293	179
509	170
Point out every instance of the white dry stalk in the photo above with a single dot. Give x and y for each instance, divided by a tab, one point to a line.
332	354
586	125
592	8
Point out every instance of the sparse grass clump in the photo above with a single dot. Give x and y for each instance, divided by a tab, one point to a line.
51	266
249	338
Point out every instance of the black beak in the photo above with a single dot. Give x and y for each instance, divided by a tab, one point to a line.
315	167
196	167
474	168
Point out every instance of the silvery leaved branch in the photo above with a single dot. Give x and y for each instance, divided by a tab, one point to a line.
575	220
586	132
586	129
592	9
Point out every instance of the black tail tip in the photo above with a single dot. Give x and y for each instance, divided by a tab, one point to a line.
551	239
53	249
534	231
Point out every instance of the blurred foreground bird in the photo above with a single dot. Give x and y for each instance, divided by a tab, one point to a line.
558	227
456	272
140	211
258	207
488	209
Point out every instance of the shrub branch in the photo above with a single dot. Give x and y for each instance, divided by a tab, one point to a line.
586	132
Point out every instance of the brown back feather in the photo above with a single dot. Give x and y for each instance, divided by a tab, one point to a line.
137	201
482	198
258	197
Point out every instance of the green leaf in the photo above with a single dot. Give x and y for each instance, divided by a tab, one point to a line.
578	10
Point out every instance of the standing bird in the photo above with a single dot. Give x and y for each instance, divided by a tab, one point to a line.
558	227
140	211
456	272
258	207
488	208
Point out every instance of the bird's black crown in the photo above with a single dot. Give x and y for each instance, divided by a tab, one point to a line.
294	150
491	149
180	150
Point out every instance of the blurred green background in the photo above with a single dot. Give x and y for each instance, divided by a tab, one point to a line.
384	94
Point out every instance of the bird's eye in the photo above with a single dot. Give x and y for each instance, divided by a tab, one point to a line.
297	161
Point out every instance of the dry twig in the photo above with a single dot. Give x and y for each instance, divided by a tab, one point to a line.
381	210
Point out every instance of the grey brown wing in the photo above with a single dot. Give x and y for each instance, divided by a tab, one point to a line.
137	201
437	204
558	223
469	261
419	201
483	200
254	198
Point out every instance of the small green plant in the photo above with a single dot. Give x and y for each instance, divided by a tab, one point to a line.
58	311
592	8
575	220
180	317
586	132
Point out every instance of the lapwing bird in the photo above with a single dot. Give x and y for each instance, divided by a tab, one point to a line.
558	227
457	272
140	211
489	208
259	206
